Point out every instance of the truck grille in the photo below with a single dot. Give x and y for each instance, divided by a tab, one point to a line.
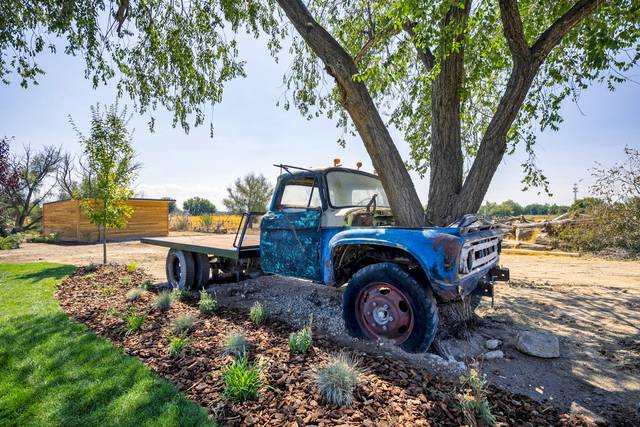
478	253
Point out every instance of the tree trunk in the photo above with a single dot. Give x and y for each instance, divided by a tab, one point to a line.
104	245
446	148
399	188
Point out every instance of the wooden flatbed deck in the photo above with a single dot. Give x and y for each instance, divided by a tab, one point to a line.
220	245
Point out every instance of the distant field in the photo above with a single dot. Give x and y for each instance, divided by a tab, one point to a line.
217	223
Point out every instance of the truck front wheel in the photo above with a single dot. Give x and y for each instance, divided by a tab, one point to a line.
383	301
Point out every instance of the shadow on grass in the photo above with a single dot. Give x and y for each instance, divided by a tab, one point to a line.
55	272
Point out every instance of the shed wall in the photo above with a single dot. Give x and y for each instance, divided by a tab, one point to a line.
150	218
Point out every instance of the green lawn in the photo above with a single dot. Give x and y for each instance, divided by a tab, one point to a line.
56	372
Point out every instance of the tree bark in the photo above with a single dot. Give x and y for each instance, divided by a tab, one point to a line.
104	245
447	160
356	99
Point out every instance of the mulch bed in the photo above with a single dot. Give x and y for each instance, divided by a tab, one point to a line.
390	393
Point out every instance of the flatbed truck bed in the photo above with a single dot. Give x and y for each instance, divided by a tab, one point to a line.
218	245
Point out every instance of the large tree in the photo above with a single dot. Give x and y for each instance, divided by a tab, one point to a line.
251	193
35	171
466	82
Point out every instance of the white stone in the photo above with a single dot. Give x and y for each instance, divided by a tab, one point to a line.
538	343
495	354
492	344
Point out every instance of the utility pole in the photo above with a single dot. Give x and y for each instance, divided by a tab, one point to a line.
575	191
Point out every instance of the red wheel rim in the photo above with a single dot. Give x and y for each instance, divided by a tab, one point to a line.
383	311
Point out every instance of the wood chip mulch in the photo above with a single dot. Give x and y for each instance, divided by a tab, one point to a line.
391	393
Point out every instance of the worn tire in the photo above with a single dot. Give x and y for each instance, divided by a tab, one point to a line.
202	271
423	303
180	269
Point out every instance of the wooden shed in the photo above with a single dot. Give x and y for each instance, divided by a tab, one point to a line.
150	218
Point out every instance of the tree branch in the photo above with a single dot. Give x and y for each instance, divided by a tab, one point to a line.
424	53
554	34
372	42
512	28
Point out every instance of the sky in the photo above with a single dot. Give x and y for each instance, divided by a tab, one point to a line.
251	133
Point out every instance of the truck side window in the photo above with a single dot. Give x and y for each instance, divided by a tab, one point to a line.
300	193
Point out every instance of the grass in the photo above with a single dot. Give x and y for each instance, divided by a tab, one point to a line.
132	267
55	372
258	313
163	301
134	294
338	380
133	321
300	341
177	346
242	380
182	325
236	344
207	304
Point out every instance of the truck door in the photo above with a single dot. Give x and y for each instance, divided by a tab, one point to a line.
290	231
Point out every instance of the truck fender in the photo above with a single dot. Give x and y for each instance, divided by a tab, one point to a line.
435	251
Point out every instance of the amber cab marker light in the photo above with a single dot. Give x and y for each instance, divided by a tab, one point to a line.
336	162
359	165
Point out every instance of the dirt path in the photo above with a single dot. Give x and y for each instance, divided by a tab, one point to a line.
592	305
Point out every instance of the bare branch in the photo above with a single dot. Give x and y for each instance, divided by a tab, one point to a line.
375	39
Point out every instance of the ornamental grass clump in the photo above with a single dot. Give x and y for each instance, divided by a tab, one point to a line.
338	380
182	325
207	304
177	346
242	380
300	341
179	294
236	345
126	280
134	294
133	321
132	267
258	313
163	301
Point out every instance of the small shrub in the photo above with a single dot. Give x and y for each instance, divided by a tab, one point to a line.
133	321
258	313
242	380
12	241
113	312
182	325
126	280
177	345
90	268
473	400
163	301
49	238
207	304
146	285
179	294
134	294
300	341
236	345
132	267
107	291
180	222
338	380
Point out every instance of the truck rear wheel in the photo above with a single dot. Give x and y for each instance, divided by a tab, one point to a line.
202	270
383	301
180	269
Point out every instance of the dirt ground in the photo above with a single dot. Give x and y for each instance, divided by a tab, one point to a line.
591	304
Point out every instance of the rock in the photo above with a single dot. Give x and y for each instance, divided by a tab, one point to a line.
495	354
492	344
538	343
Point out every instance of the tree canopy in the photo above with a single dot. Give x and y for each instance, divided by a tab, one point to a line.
465	82
251	193
198	206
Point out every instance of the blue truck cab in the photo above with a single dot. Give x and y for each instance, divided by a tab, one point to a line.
334	226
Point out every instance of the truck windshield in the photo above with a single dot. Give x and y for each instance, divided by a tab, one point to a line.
348	189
